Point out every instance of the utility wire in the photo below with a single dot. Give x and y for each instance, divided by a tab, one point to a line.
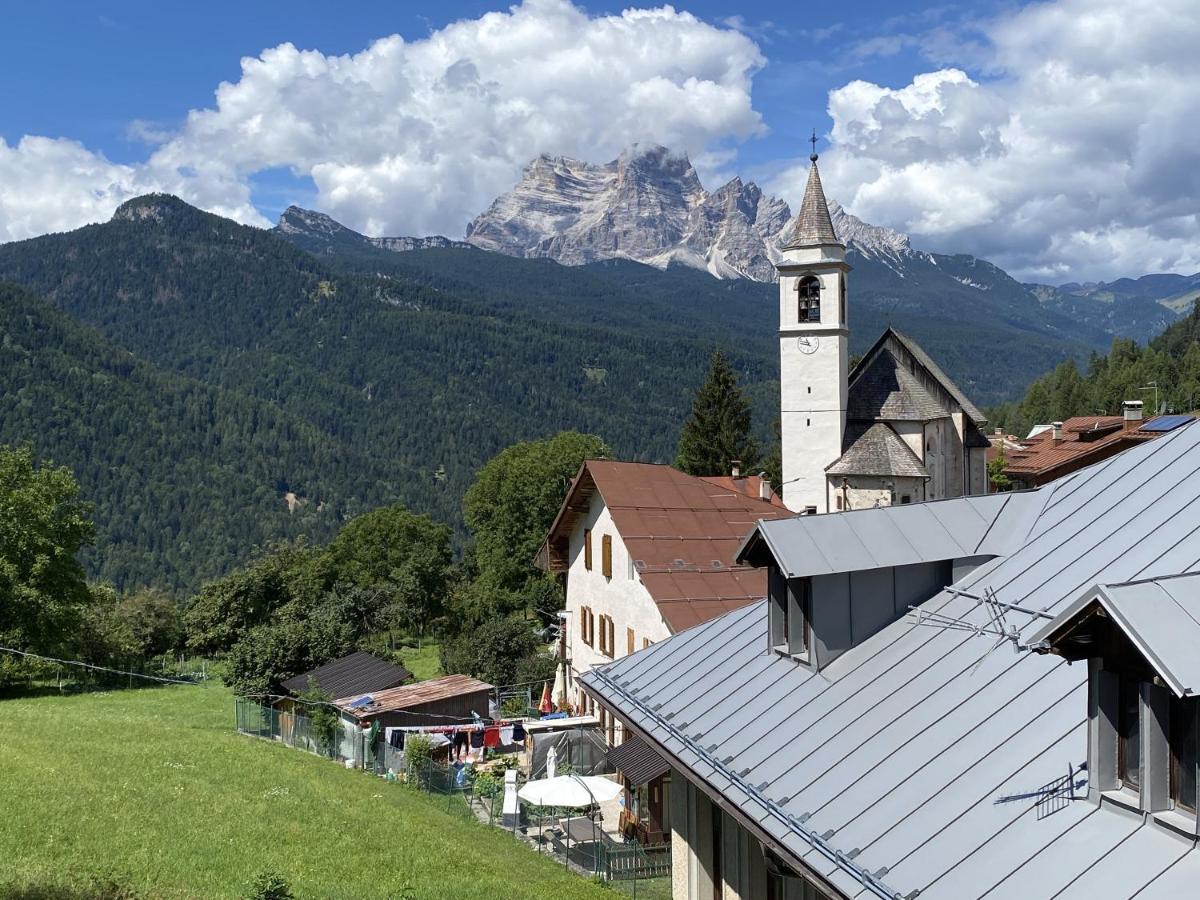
83	665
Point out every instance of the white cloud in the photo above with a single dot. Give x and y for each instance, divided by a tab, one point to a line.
1078	155
419	136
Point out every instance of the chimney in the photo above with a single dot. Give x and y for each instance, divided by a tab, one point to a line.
764	487
1132	410
1056	430
737	467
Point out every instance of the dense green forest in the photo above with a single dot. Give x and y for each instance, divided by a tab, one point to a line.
1170	361
217	387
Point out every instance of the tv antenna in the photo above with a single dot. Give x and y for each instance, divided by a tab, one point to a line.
997	625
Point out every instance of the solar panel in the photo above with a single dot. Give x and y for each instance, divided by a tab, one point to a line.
1166	423
366	700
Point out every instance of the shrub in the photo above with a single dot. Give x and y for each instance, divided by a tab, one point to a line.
269	885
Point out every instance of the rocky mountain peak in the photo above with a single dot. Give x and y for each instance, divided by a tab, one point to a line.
152	208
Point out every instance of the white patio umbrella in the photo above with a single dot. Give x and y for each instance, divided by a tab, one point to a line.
570	791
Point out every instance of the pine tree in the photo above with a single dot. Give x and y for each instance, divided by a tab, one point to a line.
718	430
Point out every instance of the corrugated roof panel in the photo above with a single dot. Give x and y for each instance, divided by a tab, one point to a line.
839	544
1126	868
1054	852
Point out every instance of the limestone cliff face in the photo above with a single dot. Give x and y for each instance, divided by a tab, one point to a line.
647	205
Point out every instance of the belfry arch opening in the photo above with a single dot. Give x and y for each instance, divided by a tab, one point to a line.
808	299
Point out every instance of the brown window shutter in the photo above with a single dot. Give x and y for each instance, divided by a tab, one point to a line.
606	555
583	623
587	549
612	638
629	640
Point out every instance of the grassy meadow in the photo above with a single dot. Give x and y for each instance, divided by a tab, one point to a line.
153	790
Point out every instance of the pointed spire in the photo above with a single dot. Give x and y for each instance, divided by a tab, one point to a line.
813	225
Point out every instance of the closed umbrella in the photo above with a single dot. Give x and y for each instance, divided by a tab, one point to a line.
546	705
551	762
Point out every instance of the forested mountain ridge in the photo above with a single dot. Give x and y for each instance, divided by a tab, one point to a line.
1165	371
184	477
962	309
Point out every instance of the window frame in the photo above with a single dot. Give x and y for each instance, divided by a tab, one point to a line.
587	549
1181	710
1128	684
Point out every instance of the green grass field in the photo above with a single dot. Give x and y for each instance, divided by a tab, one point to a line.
153	790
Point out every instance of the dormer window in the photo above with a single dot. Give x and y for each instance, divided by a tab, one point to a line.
790	615
1143	679
808	293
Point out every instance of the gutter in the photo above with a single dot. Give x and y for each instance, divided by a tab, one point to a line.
871	881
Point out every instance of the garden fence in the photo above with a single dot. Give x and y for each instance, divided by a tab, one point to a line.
573	838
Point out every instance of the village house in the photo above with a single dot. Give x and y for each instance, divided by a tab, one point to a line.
901	715
1064	447
894	430
647	551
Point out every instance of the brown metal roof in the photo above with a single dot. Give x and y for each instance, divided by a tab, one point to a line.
637	761
681	531
413	695
1085	440
359	673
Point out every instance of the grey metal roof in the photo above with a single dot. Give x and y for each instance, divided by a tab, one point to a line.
988	525
1160	616
358	673
876	450
919	749
885	389
813	225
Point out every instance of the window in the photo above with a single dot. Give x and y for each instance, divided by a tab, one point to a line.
606	556
1129	734
587	549
1182	716
842	284
630	644
808	293
583	624
607	636
646	642
789	613
905	498
810	510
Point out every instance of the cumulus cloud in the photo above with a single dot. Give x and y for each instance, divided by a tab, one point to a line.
419	136
1075	154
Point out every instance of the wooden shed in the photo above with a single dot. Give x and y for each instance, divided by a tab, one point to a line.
450	700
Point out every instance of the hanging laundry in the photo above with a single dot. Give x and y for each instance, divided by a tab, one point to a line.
477	739
506	735
519	731
491	737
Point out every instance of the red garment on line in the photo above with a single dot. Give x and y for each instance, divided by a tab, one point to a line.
491	737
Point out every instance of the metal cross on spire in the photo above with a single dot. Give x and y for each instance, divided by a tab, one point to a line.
813	140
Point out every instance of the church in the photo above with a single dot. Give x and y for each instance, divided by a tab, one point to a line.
894	430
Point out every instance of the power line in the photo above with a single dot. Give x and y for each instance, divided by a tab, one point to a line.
83	665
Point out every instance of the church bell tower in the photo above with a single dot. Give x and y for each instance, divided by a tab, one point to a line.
813	353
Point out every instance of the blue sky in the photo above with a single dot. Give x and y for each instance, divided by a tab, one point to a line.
949	123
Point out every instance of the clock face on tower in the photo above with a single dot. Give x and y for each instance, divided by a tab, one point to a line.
807	343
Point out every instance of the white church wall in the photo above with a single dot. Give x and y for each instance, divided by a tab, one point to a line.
868	491
813	416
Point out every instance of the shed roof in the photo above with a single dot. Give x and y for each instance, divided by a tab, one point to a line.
876	450
358	673
414	695
1161	618
917	755
681	530
637	761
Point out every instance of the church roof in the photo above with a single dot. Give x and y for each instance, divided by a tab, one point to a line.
876	450
814	225
900	345
886	389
